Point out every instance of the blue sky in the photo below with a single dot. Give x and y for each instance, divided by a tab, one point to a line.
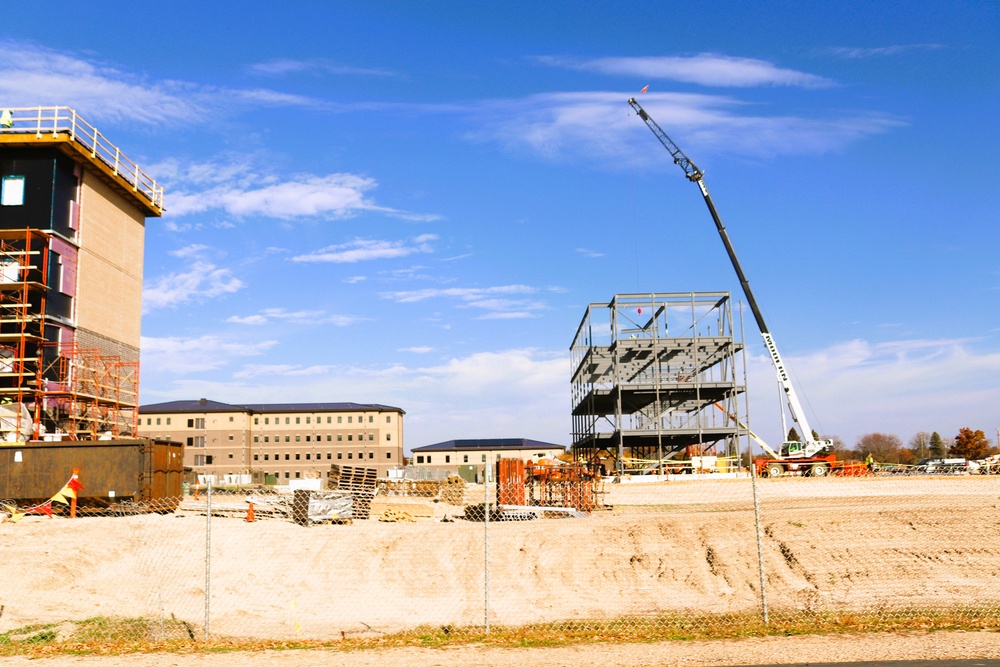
413	203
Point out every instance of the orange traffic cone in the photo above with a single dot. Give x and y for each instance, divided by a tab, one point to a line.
196	493
250	517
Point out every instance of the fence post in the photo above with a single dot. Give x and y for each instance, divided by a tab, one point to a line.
208	558
486	547
760	547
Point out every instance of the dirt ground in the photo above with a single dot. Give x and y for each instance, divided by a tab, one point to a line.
682	548
765	651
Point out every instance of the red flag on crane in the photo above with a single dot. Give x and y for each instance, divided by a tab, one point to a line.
644	88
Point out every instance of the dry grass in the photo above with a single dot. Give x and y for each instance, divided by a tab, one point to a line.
113	636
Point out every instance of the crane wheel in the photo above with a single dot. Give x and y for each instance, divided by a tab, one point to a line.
819	470
774	470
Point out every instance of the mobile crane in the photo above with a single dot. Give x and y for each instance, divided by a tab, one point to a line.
811	456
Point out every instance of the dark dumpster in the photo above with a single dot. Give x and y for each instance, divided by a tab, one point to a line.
111	471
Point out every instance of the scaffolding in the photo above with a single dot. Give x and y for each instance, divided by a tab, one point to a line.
50	388
655	376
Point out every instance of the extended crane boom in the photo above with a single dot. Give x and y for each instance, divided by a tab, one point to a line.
810	446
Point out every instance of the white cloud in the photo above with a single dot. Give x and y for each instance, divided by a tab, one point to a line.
34	75
361	250
900	387
589	253
191	355
420	349
195	249
198	281
705	69
592	125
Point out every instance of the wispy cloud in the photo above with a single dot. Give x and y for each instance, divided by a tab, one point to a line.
241	193
420	349
189	355
303	317
589	253
317	66
362	250
496	300
861	53
569	126
34	74
705	69
199	281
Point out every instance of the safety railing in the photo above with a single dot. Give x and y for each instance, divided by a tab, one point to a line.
56	121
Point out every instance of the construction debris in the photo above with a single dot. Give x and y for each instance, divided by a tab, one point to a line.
396	516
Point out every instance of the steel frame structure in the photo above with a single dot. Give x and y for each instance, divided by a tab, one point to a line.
655	375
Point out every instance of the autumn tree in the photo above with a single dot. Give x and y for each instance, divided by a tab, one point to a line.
882	446
970	444
936	445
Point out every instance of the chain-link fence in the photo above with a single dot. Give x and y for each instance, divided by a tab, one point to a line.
696	552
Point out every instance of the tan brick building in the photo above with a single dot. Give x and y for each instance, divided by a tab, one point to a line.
278	442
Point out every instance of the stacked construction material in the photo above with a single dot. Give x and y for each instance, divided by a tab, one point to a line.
359	482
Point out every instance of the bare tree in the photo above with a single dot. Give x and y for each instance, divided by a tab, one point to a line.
920	445
884	447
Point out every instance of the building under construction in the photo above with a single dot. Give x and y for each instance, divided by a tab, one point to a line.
72	223
655	380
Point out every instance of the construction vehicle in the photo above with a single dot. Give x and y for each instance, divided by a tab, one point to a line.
812	456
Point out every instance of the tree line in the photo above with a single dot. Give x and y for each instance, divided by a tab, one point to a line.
888	448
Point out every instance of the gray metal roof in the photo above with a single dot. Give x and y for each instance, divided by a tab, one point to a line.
205	405
488	444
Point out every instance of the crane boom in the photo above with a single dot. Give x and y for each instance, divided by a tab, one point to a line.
810	446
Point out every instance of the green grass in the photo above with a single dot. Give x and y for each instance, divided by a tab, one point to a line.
102	635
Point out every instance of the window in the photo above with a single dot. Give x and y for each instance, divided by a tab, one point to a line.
484	458
167	438
307	420
230	455
256	420
12	191
388	437
329	438
148	421
267	420
168	421
308	437
288	438
371	437
307	457
287	456
340	438
208	460
286	474
370	419
350	419
230	418
350	437
230	436
298	420
371	455
465	458
428	458
266	456
199	441
388	455
420	459
199	459
340	455
267	438
256	438
286	420
298	438
329	419
388	419
190	442
297	474
157	421
350	455
329	456
340	420
298	456
256	457
447	459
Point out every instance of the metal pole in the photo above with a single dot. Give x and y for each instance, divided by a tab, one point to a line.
208	558
760	547
486	546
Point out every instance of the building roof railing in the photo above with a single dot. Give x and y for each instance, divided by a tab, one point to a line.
63	123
